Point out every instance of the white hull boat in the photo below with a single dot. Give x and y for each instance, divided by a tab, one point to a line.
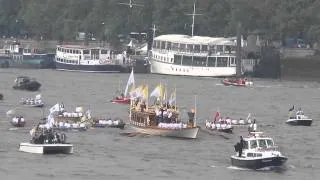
299	119
46	148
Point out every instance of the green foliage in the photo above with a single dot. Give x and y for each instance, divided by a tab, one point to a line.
54	19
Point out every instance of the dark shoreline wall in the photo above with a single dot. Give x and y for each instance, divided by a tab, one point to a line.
301	68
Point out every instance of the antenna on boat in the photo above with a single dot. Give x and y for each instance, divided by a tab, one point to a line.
193	16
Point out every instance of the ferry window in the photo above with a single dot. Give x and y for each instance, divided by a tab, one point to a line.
228	49
163	45
196	48
158	44
86	51
175	46
177	59
168	46
211	61
250	155
187	60
103	51
233	60
204	48
189	47
253	144
222	62
270	143
183	47
199	61
219	48
259	155
262	143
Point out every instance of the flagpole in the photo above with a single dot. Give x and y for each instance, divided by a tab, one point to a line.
195	110
147	101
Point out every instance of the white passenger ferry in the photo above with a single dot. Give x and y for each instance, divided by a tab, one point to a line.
89	59
176	54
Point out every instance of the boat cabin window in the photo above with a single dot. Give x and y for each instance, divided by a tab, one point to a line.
270	143
211	61
254	155
262	143
175	46
219	48
86	51
222	62
199	61
162	45
189	47
168	45
177	59
196	48
253	144
204	48
183	47
187	60
103	51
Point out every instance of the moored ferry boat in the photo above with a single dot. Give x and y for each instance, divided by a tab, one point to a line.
176	54
89	59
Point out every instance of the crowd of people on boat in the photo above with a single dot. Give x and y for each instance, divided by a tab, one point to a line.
165	115
46	136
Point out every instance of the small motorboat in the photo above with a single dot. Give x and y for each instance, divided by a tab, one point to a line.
220	126
299	119
46	142
25	83
257	152
237	82
32	102
121	100
102	123
18	121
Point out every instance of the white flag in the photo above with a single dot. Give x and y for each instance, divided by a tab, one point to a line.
129	83
55	108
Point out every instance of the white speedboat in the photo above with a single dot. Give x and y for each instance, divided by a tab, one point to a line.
299	119
46	148
257	152
46	141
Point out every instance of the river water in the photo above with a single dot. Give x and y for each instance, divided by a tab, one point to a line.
105	154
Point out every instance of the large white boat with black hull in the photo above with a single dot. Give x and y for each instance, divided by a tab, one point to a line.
90	59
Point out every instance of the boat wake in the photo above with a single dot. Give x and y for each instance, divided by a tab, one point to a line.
134	134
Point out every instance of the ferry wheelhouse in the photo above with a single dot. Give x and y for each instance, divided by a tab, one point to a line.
175	54
89	59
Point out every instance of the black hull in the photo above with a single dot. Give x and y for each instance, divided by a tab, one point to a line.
31	86
258	163
300	123
107	68
227	130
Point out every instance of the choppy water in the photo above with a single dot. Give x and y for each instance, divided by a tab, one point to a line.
105	154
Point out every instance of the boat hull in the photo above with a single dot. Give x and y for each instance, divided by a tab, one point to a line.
34	105
104	68
299	122
121	101
18	124
158	67
227	83
46	148
258	163
187	133
224	130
